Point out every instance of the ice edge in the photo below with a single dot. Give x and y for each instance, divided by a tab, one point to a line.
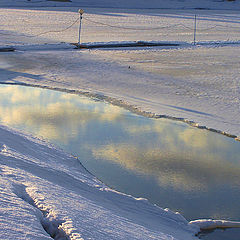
209	224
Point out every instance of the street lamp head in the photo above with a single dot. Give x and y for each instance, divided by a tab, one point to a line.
81	11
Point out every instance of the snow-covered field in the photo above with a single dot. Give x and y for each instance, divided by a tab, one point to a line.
43	187
199	83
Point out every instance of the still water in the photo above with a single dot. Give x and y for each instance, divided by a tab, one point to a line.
189	170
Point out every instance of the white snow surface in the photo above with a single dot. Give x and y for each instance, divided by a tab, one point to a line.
43	186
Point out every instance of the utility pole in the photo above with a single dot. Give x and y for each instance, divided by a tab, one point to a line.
80	11
195	29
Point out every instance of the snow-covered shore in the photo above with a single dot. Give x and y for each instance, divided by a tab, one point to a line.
47	193
44	188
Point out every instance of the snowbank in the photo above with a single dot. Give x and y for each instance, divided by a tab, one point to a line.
46	192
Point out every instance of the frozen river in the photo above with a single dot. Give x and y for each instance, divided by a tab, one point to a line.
189	170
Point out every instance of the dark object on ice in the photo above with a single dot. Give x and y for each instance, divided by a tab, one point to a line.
59	0
7	49
124	44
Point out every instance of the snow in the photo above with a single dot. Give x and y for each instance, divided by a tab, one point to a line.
133	4
209	224
44	188
41	186
196	83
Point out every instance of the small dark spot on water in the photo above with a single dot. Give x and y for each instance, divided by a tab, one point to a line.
221	234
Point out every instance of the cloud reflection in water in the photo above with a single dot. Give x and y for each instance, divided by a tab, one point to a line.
175	154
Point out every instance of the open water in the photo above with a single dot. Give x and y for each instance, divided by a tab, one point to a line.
195	172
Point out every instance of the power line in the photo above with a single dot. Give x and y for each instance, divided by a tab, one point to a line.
218	26
56	30
130	28
42	33
158	28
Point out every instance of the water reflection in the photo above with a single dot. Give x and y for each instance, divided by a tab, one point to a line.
192	171
50	114
189	172
221	234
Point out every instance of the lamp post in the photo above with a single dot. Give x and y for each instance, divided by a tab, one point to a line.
80	11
